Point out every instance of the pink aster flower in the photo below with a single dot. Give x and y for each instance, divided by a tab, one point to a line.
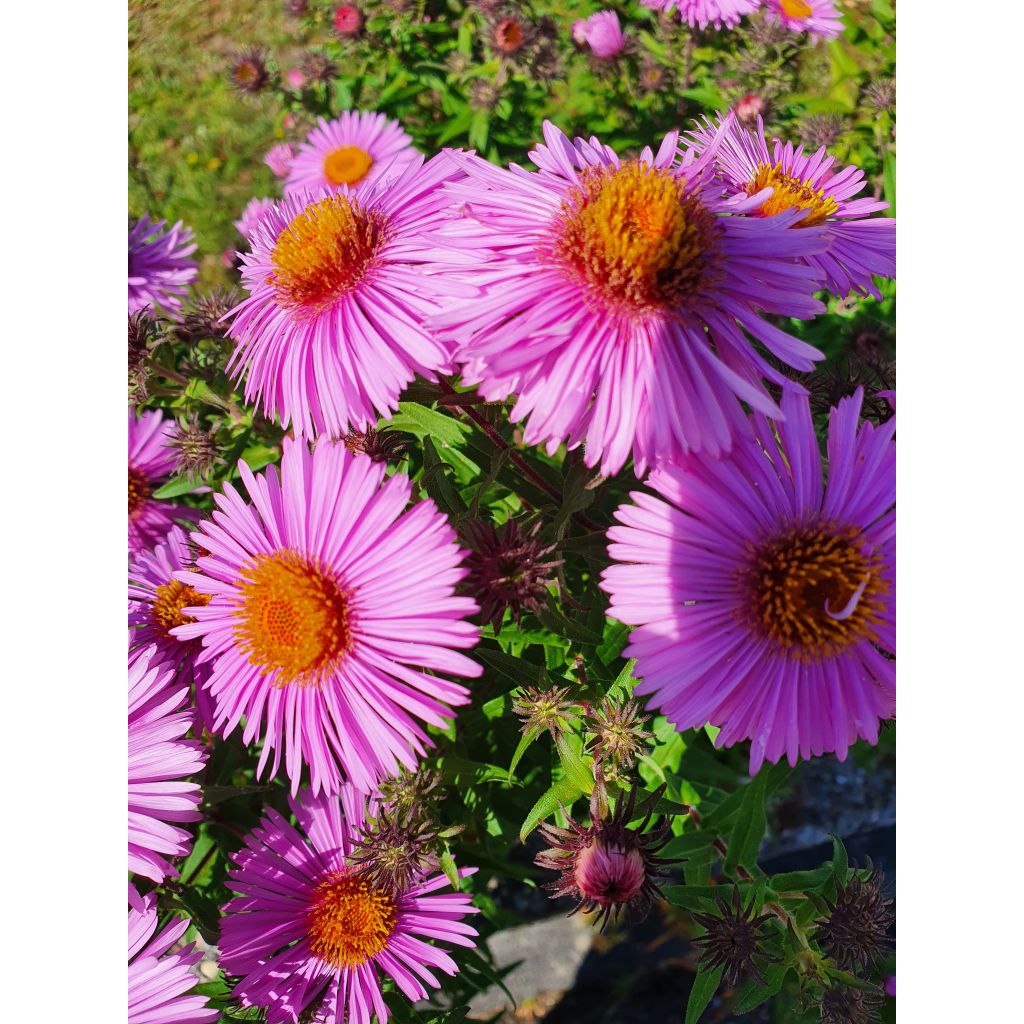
352	151
309	927
701	13
158	980
150	464
159	268
603	34
818	18
332	330
765	181
617	298
159	760
764	597
156	599
279	159
331	609
251	216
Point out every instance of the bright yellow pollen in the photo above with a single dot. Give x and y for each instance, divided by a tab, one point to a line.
797	9
349	920
324	252
635	238
347	165
789	192
166	612
138	491
803	588
293	619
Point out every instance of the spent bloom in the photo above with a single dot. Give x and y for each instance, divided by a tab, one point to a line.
855	933
309	928
332	616
617	298
766	182
159	760
332	329
348	154
701	13
378	445
159	980
160	267
609	867
618	733
249	72
602	33
204	316
843	1005
251	216
732	939
279	159
151	462
818	18
549	709
765	597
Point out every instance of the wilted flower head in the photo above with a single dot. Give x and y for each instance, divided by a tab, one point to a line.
618	732
608	866
819	130
545	709
732	940
484	94
380	445
318	67
196	448
411	791
882	94
203	318
141	329
249	72
348	21
856	932
652	76
842	1005
393	849
603	34
508	568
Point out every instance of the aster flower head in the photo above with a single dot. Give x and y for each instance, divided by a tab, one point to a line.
151	462
882	94
309	927
766	182
842	1005
159	265
618	733
603	34
204	316
252	214
508	568
332	329
159	762
617	295
545	709
393	849
279	159
196	448
333	620
609	867
159	980
732	940
142	329
820	19
349	154
701	13
765	597
378	445
855	934
348	21
249	72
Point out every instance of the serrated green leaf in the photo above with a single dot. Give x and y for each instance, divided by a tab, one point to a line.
575	767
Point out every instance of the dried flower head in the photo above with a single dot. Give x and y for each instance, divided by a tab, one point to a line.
881	94
508	30
393	849
296	8
817	130
411	792
545	709
318	67
507	568
653	77
204	318
142	328
856	932
196	448
618	732
249	72
379	445
484	94
608	867
733	939
842	1005
830	384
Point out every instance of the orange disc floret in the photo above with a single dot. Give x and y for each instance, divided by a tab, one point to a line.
171	598
347	165
350	920
789	193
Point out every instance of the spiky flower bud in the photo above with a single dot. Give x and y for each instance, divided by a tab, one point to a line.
197	449
819	130
733	940
411	792
141	329
618	732
748	108
249	71
833	382
882	94
379	445
393	850
545	709
607	866
856	932
296	8
318	67
508	568
204	318
483	94
842	1005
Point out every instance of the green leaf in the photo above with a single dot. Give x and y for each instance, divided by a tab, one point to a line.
218	794
564	793
574	766
451	871
749	827
692	897
752	993
417	419
524	743
437	485
840	861
521	672
705	985
796	881
176	486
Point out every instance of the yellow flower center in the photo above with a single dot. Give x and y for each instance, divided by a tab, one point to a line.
789	192
324	252
797	9
349	920
293	620
347	165
815	591
635	238
138	492
171	598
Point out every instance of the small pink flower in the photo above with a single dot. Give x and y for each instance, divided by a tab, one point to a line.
579	32
748	108
348	21
295	78
603	34
279	159
289	122
251	215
